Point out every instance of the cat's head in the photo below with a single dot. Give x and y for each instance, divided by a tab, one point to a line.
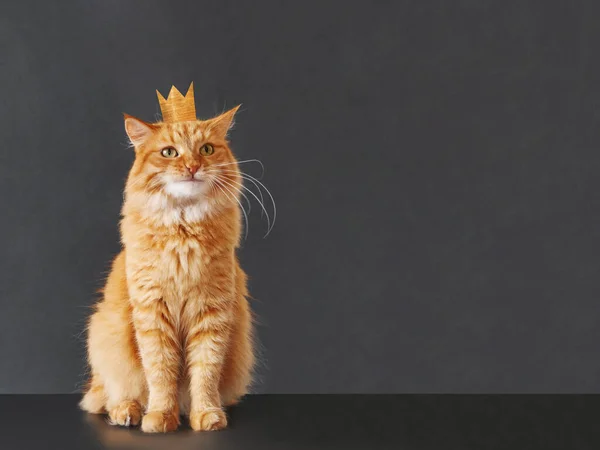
183	163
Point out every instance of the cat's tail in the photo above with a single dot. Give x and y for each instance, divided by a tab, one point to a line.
94	400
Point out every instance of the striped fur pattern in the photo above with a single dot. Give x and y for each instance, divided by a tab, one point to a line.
172	334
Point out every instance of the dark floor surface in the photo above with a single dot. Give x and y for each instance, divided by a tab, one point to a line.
411	422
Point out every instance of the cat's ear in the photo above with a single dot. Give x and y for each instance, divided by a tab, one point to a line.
223	123
137	130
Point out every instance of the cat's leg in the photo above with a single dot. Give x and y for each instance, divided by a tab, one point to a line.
118	378
237	371
206	348
161	356
208	321
115	362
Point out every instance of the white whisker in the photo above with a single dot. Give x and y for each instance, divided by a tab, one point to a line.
250	177
245	196
262	199
220	186
254	195
243	162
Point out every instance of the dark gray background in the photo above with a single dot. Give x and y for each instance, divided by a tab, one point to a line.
435	166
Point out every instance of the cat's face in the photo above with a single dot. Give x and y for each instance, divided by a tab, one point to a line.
183	162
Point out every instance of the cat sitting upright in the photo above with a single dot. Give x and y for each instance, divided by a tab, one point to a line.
173	332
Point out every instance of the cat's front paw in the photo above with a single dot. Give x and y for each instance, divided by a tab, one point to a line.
126	414
160	422
209	419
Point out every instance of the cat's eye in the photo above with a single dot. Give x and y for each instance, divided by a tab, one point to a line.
169	152
207	150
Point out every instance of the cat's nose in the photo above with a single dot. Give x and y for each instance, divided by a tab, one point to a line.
193	168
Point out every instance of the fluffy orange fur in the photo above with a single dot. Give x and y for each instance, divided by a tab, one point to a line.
173	332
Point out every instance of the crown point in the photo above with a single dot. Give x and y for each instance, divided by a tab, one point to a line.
190	89
174	92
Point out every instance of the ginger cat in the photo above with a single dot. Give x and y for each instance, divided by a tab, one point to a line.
173	332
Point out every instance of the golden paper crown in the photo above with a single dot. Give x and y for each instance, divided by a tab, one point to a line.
177	108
